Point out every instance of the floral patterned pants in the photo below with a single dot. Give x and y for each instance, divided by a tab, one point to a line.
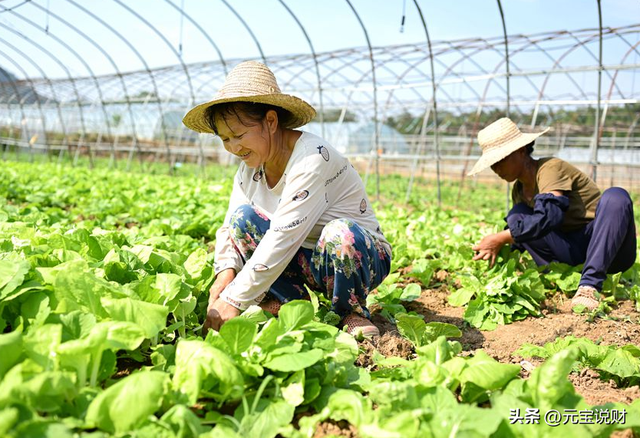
347	262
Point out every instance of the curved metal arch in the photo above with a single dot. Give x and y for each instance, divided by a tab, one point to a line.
38	102
435	110
315	61
202	31
138	55
597	133
53	90
613	34
541	93
298	74
615	75
620	36
477	118
448	69
375	98
468	57
508	79
23	116
72	80
399	77
580	43
246	26
632	48
84	63
167	42
346	63
15	7
610	92
11	110
338	70
184	67
465	56
118	74
363	76
506	55
491	80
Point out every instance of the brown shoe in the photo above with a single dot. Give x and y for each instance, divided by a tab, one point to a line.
360	326
587	296
271	305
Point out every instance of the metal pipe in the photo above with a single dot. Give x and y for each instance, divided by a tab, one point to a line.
435	105
113	64
246	26
72	80
38	103
315	61
506	54
181	62
597	132
375	100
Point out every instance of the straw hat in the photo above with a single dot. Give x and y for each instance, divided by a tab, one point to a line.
252	81
499	140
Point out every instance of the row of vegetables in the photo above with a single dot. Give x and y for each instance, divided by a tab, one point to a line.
103	288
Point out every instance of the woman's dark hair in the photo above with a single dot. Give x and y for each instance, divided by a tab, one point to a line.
248	113
530	147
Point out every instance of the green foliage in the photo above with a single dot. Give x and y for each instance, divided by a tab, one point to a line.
420	333
103	287
619	364
508	292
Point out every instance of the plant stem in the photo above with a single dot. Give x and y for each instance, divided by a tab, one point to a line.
96	359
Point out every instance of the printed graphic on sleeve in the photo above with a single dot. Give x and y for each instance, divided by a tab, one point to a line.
293	224
363	206
324	152
258	175
301	195
259	267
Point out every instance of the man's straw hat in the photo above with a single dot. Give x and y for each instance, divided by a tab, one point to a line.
252	81
499	140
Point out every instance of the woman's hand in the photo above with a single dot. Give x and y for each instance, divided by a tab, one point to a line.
489	247
222	281
218	313
215	318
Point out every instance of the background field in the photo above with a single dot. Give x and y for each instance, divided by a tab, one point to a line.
123	260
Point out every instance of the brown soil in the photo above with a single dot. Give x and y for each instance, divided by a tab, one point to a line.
391	343
620	327
332	428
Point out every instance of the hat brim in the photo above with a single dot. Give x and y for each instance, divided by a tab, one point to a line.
301	112
491	157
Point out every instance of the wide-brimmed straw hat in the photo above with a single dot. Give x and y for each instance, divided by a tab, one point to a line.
498	141
252	81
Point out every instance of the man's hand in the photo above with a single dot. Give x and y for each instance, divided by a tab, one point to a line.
218	312
489	247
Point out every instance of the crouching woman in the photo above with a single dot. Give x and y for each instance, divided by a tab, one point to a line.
298	213
559	214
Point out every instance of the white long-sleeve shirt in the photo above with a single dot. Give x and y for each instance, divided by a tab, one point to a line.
318	186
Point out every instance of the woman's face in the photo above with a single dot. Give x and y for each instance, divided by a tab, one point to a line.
510	167
249	143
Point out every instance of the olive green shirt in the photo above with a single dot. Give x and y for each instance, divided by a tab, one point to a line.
556	174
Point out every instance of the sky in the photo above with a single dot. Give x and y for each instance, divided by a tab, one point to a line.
28	29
